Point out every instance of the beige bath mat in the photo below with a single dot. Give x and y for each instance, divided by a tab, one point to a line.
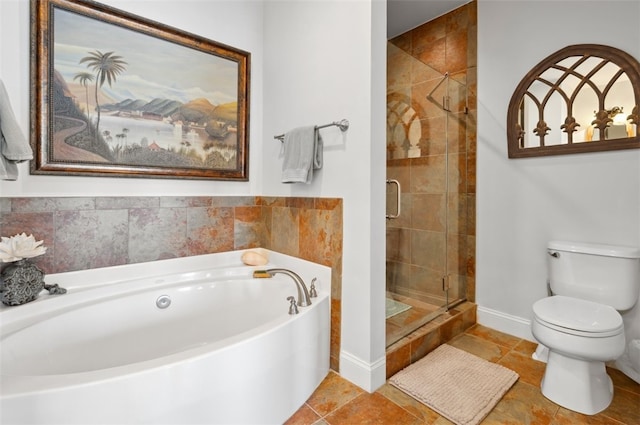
458	385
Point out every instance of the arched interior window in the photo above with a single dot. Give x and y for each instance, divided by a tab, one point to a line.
583	98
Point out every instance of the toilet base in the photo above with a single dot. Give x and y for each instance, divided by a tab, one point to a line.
579	385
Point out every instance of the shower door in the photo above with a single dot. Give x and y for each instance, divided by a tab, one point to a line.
426	246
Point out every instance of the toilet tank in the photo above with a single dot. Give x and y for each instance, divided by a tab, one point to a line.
607	274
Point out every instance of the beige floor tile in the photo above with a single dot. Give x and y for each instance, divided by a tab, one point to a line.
522	404
530	371
625	406
408	403
525	347
304	416
567	417
487	350
371	409
333	392
620	380
492	335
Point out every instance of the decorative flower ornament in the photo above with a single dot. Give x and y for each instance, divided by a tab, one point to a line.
19	247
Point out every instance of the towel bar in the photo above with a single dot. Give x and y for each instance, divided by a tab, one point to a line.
342	124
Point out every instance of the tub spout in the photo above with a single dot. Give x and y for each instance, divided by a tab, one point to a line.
303	294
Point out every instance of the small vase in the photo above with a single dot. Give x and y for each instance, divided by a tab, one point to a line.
21	282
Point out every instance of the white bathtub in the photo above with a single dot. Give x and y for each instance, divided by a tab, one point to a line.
225	351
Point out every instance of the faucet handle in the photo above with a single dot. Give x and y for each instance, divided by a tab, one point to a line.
293	308
312	290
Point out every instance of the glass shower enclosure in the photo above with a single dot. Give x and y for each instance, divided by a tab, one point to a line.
427	205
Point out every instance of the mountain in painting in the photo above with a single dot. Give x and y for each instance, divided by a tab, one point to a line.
227	112
202	112
159	107
198	111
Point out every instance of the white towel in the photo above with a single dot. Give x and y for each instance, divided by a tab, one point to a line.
14	148
302	149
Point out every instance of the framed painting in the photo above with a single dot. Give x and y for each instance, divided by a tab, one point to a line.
114	94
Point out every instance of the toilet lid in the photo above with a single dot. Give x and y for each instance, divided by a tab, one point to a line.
577	314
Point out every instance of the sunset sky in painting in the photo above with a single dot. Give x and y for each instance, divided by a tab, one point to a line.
155	68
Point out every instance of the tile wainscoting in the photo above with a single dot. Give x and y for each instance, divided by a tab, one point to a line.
90	232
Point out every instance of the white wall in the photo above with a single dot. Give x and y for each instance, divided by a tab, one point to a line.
236	23
523	203
318	69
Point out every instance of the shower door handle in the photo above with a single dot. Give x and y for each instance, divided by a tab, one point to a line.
397	214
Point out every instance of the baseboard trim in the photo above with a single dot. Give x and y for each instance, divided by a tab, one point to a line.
503	322
368	376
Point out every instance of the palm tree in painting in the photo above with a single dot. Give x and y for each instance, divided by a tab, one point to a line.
106	66
85	78
124	133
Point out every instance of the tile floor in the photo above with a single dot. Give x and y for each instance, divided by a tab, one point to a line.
338	402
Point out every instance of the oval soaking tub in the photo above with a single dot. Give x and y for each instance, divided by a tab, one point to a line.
183	341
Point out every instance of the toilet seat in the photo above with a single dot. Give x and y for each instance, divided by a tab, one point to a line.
578	317
577	332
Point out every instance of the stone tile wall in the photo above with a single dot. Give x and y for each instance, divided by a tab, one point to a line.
89	232
438	221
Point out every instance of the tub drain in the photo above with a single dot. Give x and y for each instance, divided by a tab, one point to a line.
163	301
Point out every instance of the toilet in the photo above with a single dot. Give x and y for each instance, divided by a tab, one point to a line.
579	325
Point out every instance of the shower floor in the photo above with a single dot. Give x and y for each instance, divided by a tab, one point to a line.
402	324
394	307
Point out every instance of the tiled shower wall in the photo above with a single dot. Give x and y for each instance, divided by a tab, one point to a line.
90	232
417	62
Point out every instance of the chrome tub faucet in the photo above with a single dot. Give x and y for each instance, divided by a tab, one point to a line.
303	294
